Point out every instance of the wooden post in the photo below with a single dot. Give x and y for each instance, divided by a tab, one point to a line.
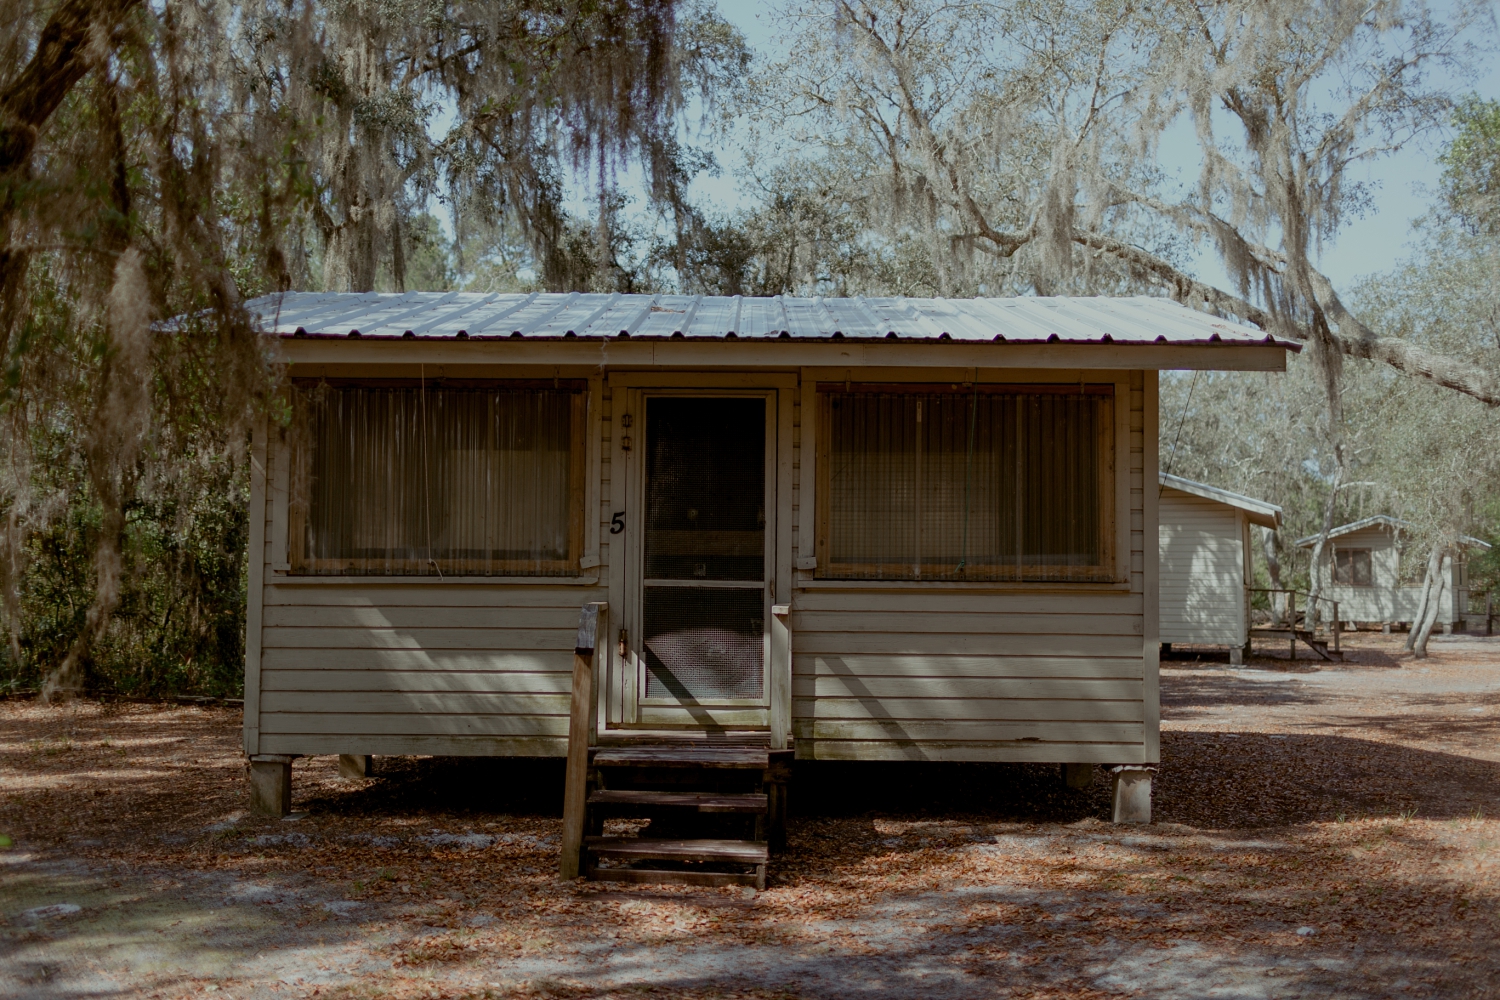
1338	627
1132	793
575	789
1078	776
354	765
781	674
1291	622
271	784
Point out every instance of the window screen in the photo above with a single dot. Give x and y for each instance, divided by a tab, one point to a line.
1352	567
993	483
412	479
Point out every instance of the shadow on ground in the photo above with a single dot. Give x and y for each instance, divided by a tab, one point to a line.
1207	690
905	879
1210	780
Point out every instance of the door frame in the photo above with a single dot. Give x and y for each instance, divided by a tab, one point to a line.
622	708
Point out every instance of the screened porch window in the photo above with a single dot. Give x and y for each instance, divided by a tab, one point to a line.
413	479
965	483
1352	567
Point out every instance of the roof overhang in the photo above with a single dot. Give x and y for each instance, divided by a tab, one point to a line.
1133	332
1383	521
1257	511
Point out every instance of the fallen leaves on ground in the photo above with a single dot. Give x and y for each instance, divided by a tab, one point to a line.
1294	822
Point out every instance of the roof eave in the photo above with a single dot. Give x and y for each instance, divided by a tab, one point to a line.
785	338
1257	511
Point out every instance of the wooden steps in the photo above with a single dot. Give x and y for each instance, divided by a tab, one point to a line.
717	812
1316	643
751	803
741	853
636	848
683	755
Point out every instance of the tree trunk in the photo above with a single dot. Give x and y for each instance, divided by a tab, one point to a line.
1273	570
1434	606
1315	575
77	36
1428	581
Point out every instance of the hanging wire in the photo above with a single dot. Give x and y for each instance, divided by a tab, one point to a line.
963	555
1180	421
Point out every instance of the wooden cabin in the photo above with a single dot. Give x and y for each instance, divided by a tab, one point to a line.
1206	563
1377	579
856	529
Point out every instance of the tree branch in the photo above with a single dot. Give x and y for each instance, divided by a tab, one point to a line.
61	59
1358	341
1184	286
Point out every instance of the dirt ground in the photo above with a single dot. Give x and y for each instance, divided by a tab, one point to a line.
1323	830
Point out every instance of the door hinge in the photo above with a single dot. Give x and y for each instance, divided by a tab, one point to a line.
622	642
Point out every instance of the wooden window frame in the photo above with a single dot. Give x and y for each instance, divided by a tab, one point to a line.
301	567
1107	433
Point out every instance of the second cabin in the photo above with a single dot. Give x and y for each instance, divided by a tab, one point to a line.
856	529
1206	575
1377	578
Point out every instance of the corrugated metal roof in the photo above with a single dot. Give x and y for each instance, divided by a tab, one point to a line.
1383	521
1260	511
473	315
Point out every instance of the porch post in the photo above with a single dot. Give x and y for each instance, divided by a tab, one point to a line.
575	788
781	675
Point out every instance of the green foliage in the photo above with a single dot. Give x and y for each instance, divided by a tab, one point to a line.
1471	166
179	624
175	583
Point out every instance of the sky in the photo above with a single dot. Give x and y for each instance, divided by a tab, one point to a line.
1377	242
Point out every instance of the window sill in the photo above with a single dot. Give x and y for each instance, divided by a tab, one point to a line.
999	586
290	579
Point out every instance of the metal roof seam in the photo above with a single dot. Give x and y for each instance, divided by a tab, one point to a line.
642	316
692	311
546	317
442	316
480	329
340	315
415	306
579	329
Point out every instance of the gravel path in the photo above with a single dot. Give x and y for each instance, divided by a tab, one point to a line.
1323	830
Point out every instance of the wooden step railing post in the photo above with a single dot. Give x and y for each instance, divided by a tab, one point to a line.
575	788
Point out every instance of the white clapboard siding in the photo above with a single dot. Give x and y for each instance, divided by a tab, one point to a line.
434	662
316	683
407	618
914	673
1202	570
1000	747
838	687
1022	667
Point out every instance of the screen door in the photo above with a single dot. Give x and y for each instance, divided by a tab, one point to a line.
704	600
